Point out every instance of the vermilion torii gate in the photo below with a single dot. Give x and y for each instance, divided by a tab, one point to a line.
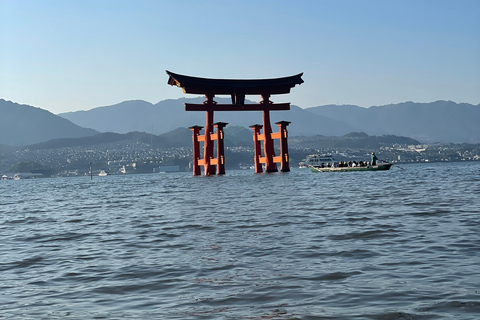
237	89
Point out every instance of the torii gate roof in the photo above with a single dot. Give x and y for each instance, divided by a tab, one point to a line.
197	85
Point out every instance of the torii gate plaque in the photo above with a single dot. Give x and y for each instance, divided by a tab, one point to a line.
237	89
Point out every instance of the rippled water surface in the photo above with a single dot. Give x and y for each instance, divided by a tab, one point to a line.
400	244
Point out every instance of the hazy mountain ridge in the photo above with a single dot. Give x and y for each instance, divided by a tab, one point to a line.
440	121
22	124
168	115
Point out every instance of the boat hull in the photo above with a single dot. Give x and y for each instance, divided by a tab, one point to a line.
379	167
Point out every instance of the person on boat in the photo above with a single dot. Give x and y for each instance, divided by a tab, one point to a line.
374	159
354	164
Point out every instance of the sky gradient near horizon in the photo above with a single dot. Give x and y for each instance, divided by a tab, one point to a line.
77	55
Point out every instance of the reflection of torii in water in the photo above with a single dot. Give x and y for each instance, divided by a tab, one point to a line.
237	89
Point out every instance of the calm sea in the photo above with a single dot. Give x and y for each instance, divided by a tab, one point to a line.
400	244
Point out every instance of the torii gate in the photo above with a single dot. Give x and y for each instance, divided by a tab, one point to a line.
237	89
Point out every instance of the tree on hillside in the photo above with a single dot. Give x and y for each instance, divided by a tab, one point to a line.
26	166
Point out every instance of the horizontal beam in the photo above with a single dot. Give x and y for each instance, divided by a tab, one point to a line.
231	107
276	135
277	159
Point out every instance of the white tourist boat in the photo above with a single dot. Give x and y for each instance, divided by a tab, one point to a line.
316	160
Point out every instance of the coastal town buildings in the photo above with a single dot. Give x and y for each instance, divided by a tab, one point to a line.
143	158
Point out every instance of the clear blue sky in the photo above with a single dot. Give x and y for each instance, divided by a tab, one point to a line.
77	55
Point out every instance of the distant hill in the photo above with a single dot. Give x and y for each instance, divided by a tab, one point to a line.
234	136
168	115
23	125
180	137
440	121
353	140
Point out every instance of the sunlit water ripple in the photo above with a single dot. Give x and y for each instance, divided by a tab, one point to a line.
401	244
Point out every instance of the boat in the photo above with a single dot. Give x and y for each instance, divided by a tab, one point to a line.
316	160
102	173
381	165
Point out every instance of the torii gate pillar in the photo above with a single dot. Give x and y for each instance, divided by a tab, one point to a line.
258	148
284	161
209	168
220	147
196	149
270	165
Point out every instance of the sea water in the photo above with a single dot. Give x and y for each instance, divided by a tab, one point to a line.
398	244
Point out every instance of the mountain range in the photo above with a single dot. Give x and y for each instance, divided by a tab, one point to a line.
22	125
168	115
440	121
